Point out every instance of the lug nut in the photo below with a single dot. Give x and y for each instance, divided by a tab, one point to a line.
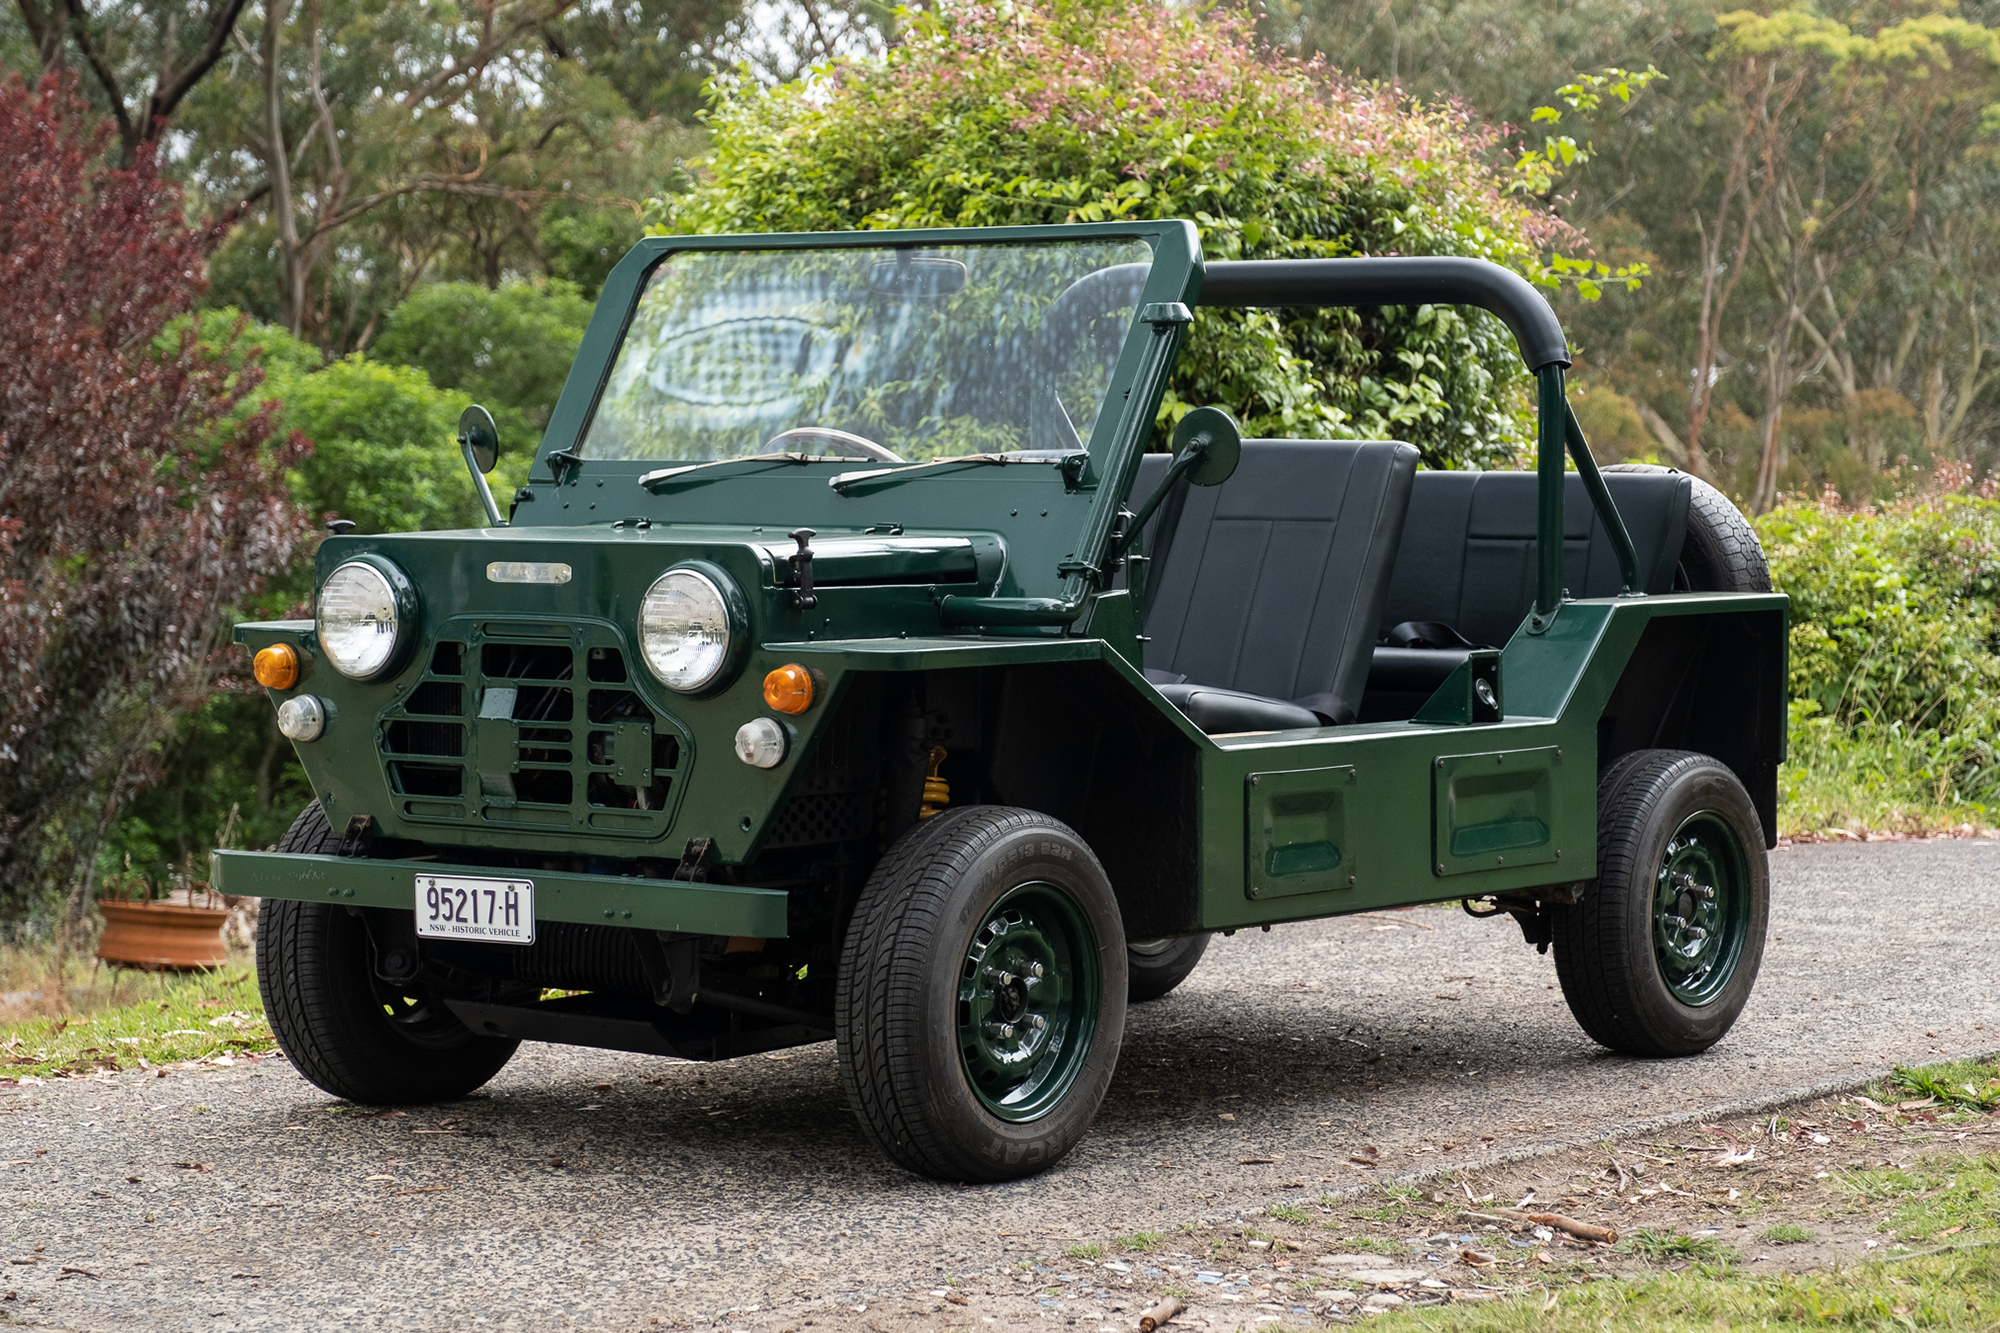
1677	922
1038	1023
999	977
1697	933
1000	1031
1034	970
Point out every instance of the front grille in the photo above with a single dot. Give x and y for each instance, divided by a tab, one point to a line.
546	732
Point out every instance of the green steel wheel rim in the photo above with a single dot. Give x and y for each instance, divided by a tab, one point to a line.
1701	908
1028	998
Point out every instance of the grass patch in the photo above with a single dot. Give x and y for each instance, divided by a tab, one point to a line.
1937	1199
1872	776
1965	1085
1140	1242
1959	1290
1290	1212
159	1019
1084	1252
1663	1247
1787	1233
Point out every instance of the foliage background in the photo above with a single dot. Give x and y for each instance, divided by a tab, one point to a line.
413	207
993	114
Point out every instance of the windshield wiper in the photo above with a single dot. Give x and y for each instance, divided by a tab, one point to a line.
654	481
1064	458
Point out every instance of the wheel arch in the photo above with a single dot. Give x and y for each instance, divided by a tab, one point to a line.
1712	683
1071	740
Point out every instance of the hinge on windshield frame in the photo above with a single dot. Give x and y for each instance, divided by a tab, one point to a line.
562	463
1069	567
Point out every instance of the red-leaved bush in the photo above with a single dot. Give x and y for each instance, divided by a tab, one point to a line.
136	502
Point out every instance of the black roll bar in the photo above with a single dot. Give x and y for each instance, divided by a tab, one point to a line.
1273	283
1423	281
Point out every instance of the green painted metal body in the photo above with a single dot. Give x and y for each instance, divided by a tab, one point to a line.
643	904
1284	825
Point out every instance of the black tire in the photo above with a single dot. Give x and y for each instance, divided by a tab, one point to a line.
923	977
1720	552
350	1034
1157	966
1679	824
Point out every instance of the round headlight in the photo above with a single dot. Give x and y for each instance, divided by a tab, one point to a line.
357	620
684	630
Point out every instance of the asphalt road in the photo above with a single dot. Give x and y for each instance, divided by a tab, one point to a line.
596	1191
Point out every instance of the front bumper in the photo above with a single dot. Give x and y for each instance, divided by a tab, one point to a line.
604	900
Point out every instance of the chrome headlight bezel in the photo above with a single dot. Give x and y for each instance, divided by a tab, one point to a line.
720	668
402	600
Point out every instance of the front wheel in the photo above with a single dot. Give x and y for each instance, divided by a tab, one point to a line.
347	1031
1658	956
981	999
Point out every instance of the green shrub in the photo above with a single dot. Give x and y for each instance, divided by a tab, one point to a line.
509	348
1094	110
1894	680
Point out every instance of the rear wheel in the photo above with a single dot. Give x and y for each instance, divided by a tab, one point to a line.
1157	966
1658	956
346	1030
981	999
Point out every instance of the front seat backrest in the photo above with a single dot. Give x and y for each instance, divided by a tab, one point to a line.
1273	582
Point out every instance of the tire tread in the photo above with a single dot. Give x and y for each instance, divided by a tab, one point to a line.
881	1002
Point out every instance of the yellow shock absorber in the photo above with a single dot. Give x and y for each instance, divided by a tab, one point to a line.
937	792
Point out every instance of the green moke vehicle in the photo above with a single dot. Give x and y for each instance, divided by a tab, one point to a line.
846	668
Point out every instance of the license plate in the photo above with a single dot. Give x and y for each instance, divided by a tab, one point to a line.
495	911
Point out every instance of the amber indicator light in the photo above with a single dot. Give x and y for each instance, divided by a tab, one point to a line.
276	667
789	689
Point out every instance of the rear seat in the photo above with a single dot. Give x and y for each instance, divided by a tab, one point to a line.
1465	569
1265	592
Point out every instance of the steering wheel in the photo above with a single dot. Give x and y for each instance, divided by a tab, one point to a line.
784	439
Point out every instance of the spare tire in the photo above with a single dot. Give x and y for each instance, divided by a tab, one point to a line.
1720	552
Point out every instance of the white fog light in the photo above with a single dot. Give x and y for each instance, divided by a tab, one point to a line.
684	630
302	718
760	743
357	620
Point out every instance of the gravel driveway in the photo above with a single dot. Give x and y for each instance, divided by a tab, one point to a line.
591	1190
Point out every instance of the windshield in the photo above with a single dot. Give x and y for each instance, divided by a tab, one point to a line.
926	352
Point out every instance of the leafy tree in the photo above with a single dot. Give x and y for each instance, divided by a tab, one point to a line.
1837	138
509	349
173	44
1084	110
136	502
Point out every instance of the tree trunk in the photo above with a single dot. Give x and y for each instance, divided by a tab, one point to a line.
291	259
1777	365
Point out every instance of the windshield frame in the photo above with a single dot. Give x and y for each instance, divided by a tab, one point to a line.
1175	276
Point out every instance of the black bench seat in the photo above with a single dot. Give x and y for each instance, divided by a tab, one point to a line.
1274	603
1265	591
1465	569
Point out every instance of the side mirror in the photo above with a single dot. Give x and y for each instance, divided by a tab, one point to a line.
480	438
479	442
1214	435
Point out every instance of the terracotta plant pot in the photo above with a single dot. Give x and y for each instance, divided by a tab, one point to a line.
162	936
